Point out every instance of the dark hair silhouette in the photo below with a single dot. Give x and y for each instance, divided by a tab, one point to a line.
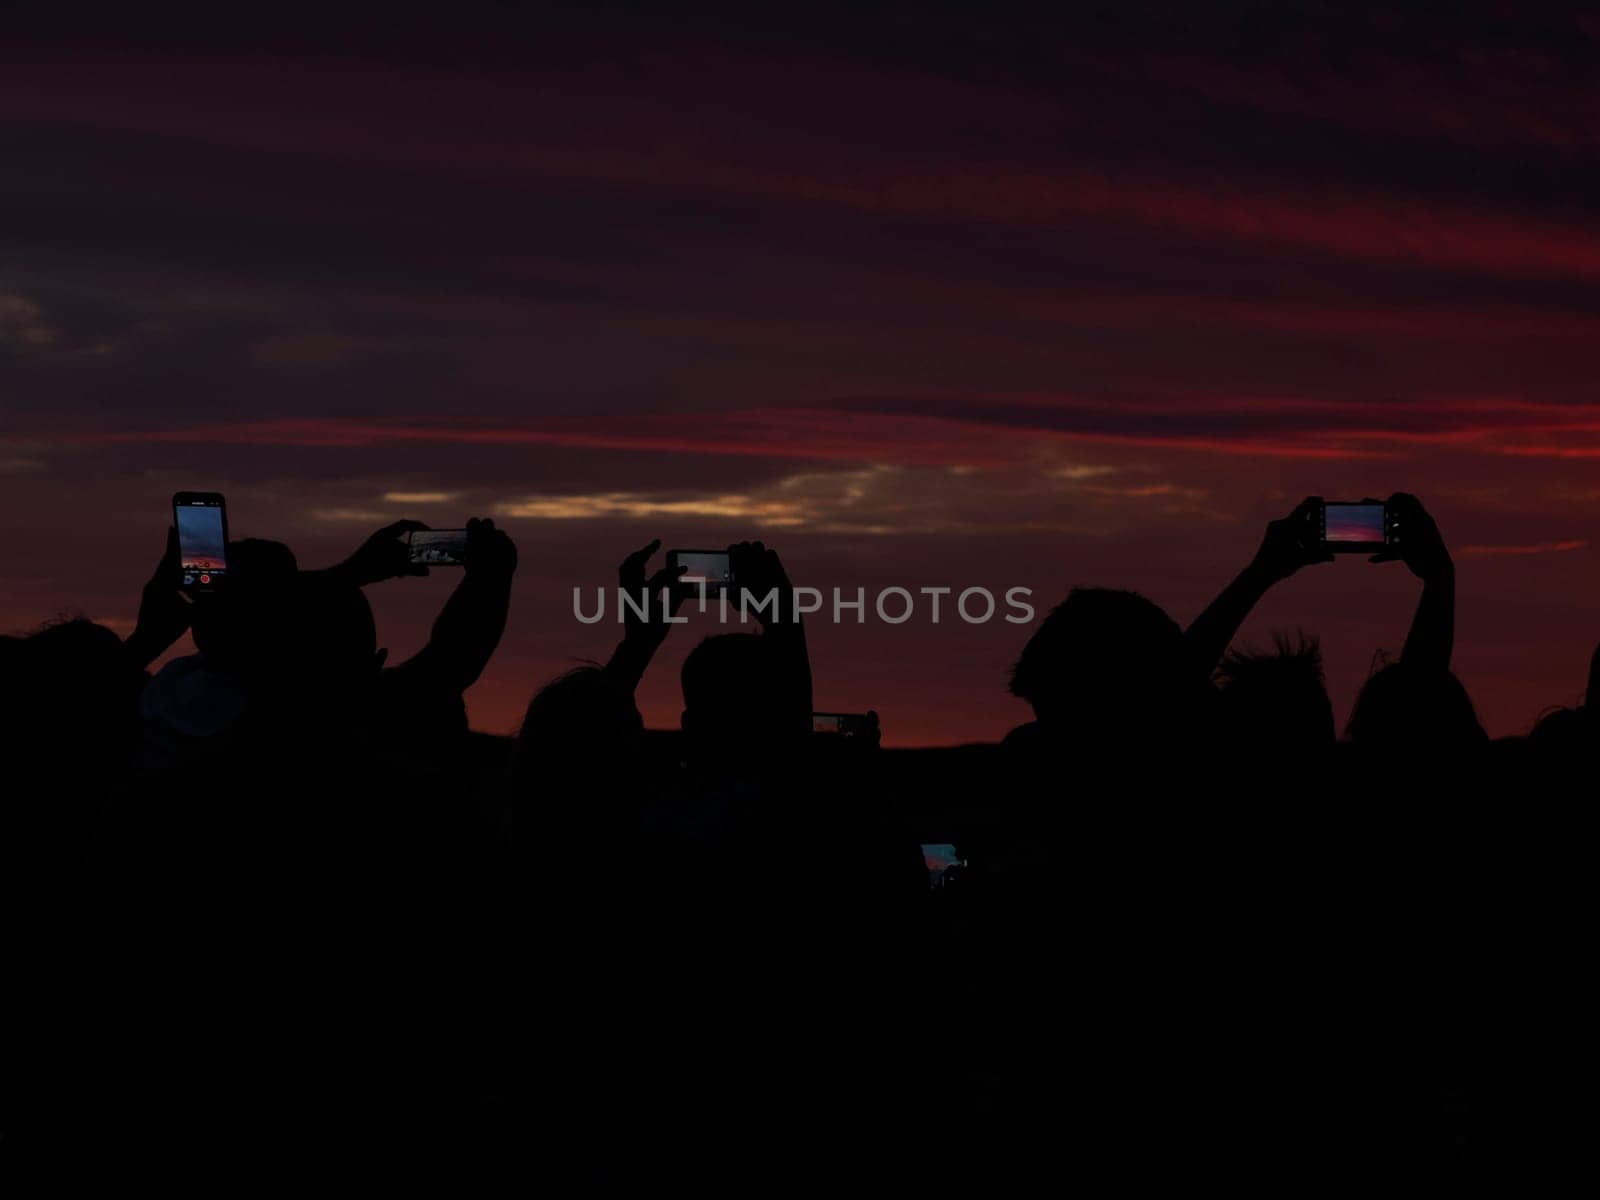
333	628
70	699
242	627
1567	733
730	702
1099	651
76	674
1277	700
578	715
1405	710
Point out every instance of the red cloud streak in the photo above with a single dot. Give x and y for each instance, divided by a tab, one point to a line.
975	431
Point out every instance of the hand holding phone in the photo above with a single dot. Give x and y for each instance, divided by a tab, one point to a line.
164	609
490	553
652	628
384	555
1414	539
1292	542
201	519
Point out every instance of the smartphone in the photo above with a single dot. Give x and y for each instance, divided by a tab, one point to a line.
708	569
842	724
202	522
438	547
1356	527
940	857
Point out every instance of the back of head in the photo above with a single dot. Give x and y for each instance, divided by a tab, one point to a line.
316	692
1408	712
731	701
577	722
71	693
1102	658
334	632
1276	704
239	628
1567	734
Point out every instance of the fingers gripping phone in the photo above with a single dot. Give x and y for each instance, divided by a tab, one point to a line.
1358	527
711	570
201	519
438	547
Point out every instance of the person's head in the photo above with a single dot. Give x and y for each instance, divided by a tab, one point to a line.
1276	703
317	688
240	626
1565	729
1405	711
731	701
334	629
1101	657
579	718
578	758
71	684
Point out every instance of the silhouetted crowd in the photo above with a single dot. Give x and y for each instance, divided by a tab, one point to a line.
275	901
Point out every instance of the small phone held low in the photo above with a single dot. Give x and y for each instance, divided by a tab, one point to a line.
848	725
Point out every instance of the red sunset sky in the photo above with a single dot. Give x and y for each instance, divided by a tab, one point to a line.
922	295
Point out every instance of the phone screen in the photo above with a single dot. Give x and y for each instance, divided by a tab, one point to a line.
939	857
1354	525
202	537
438	547
844	724
708	568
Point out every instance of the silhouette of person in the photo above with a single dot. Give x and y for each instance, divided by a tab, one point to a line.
422	697
194	704
1276	710
1414	712
1105	671
1290	543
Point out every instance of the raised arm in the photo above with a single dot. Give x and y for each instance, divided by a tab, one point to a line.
384	555
163	610
1420	546
1290	543
469	626
642	636
759	571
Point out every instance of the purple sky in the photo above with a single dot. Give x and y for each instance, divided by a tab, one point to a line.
920	297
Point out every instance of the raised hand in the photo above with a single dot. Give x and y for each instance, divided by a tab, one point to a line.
758	570
384	555
469	625
1418	542
1291	542
164	611
491	554
651	629
1420	546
